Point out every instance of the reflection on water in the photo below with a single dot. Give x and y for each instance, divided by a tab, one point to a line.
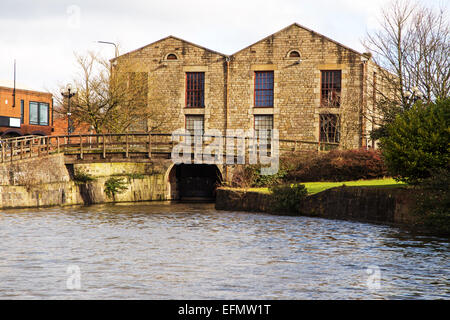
191	251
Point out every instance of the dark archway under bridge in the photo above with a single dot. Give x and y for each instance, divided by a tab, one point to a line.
194	182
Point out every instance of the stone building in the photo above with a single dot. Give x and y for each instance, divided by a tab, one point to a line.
309	87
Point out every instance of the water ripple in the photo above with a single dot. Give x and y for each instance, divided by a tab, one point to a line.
191	251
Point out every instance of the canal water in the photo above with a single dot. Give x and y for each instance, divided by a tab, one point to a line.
191	251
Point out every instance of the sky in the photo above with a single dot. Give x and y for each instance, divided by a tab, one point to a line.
43	35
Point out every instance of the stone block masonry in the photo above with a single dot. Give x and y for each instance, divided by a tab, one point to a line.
376	205
229	84
48	182
34	171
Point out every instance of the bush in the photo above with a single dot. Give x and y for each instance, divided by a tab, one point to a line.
114	186
248	176
336	165
81	177
417	141
244	176
270	180
339	165
135	176
288	198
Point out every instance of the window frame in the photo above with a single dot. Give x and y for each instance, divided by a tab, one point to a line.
269	131
39	122
193	91
323	103
255	90
22	111
262	115
170	55
294	51
337	128
198	116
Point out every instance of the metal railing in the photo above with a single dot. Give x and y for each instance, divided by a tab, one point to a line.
127	144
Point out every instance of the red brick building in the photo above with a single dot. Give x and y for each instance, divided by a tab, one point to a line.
60	126
29	112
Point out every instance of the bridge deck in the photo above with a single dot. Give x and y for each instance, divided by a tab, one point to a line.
137	147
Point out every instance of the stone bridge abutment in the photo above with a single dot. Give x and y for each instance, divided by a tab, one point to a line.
51	181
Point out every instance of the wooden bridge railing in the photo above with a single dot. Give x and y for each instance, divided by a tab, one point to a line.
146	144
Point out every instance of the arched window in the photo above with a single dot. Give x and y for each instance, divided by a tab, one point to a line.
171	56
294	54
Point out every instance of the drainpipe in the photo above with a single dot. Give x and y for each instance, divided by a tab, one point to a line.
227	92
52	114
362	141
227	59
14	89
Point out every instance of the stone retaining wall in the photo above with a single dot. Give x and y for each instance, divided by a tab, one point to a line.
47	182
34	171
379	205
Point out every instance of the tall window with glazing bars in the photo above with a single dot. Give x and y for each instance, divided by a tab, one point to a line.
195	89
329	128
331	88
263	89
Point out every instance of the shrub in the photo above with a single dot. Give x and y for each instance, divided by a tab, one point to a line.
135	176
270	180
336	165
417	141
80	177
244	176
248	176
114	186
339	165
288	198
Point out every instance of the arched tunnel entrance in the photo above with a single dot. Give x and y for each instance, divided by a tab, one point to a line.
194	181
10	134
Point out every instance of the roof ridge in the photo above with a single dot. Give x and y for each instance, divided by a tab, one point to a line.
302	27
168	37
230	55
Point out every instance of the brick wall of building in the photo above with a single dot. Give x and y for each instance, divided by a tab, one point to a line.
60	126
27	96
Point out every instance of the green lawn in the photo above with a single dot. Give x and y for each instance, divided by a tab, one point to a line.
316	187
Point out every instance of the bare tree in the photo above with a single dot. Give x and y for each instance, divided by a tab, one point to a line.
108	101
411	53
428	62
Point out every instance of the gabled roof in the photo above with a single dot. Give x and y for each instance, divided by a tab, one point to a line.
225	55
170	37
304	28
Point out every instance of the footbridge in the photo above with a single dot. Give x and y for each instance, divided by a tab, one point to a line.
177	165
141	147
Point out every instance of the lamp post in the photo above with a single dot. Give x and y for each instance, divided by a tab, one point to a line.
414	95
69	93
116	51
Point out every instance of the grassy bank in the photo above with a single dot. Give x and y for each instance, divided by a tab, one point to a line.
316	187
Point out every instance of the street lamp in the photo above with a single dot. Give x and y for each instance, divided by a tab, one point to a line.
414	94
116	51
69	93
